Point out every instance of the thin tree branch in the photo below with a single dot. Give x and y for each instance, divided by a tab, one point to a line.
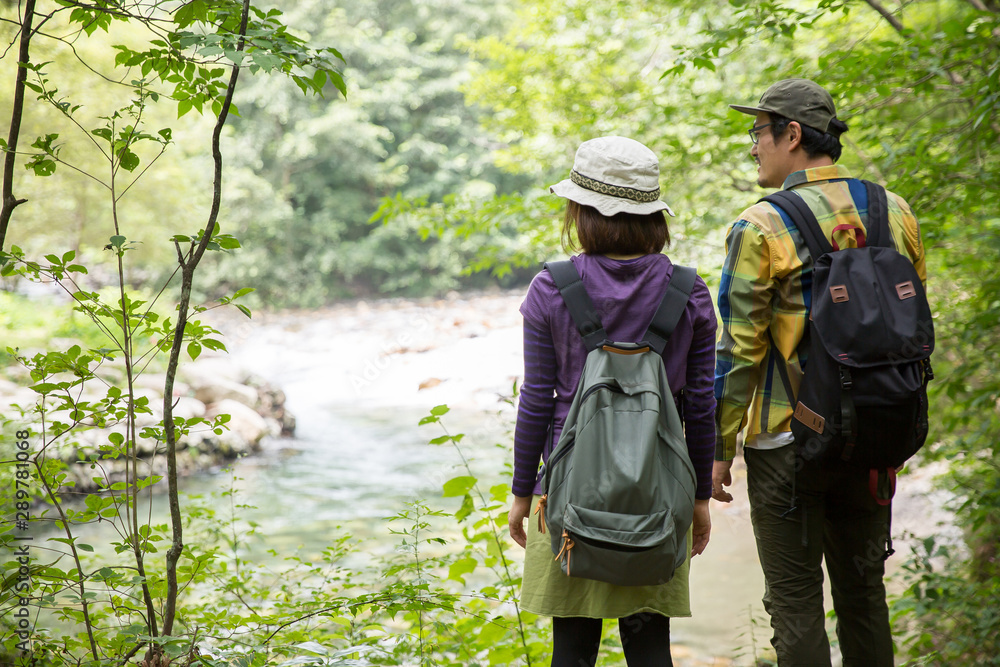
10	202
187	280
112	12
886	14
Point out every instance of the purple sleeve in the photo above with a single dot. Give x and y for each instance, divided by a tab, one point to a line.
699	394
535	407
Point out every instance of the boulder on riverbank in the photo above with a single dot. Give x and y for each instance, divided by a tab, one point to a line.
205	389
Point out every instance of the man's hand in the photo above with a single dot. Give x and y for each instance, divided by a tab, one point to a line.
519	511
702	528
721	476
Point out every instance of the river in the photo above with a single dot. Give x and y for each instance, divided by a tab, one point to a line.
360	375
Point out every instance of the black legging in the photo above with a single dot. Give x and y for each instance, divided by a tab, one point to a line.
645	639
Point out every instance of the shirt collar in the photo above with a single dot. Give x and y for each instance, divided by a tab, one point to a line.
827	173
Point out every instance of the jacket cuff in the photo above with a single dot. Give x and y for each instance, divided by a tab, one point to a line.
725	447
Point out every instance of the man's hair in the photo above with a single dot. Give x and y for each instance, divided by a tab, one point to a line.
814	142
621	234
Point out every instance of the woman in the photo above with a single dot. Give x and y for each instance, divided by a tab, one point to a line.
615	212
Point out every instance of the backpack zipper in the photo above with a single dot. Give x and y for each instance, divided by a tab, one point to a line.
602	385
565	450
883	304
602	544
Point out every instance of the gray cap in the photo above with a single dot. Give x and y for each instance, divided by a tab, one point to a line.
801	100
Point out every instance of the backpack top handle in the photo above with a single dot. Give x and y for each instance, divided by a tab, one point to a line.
877	233
588	322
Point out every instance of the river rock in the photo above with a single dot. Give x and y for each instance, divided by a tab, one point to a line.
244	422
188	407
272	407
222	389
210	388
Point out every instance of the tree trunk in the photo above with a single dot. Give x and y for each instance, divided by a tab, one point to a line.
188	266
9	201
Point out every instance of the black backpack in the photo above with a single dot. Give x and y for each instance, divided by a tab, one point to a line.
619	484
863	398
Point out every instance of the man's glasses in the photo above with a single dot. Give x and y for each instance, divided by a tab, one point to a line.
754	132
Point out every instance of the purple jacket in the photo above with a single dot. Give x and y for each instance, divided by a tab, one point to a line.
626	294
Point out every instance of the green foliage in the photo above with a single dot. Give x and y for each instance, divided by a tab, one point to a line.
118	599
448	595
938	578
310	175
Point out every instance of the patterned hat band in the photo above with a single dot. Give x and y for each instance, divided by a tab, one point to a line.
620	191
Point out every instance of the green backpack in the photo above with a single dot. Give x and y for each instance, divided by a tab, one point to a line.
619	485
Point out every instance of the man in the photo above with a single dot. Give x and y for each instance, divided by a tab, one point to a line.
799	515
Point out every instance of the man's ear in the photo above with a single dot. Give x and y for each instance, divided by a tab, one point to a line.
794	135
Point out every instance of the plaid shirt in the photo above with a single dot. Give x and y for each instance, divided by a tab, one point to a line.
767	288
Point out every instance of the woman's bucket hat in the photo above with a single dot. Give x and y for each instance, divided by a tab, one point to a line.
614	175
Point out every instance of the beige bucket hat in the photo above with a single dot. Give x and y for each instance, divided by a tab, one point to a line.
614	175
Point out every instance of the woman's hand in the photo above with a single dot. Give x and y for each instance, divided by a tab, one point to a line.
519	511
702	527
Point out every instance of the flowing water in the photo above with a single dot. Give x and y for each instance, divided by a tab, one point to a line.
360	376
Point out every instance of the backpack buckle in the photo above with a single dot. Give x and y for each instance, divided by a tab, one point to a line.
845	379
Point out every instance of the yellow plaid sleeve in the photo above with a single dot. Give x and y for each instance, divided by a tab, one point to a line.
744	300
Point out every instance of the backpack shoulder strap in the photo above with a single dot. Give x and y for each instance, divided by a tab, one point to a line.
671	308
879	234
804	219
581	308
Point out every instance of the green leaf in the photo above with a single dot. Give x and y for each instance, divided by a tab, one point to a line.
118	241
42	166
128	160
244	310
460	568
458	486
467	508
213	344
194	349
498	492
85	547
439	410
227	242
236	56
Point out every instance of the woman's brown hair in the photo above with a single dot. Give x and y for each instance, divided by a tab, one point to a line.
621	234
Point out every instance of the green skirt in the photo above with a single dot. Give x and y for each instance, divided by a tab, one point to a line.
547	591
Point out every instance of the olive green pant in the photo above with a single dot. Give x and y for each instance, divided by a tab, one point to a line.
836	519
